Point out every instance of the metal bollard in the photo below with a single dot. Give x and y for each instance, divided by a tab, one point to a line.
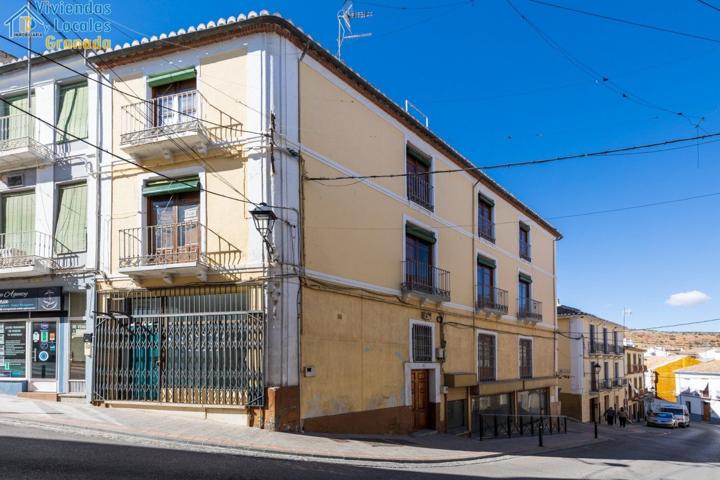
565	420
495	426
595	428
540	433
509	426
532	426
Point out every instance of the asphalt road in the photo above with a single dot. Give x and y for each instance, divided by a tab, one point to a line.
638	453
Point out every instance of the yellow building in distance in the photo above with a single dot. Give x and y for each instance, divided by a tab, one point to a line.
660	376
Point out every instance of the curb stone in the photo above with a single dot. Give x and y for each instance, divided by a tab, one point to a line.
280	454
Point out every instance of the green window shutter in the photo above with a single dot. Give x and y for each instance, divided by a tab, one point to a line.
525	278
420	157
488	262
18	221
487	200
171	77
167	187
71	221
420	233
73	113
19	124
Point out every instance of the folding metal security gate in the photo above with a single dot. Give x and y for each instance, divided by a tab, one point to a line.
187	345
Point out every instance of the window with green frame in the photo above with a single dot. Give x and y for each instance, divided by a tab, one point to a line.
71	219
72	120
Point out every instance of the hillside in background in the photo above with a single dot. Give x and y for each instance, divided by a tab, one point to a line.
674	340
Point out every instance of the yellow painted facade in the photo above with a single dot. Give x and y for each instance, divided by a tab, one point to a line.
350	365
665	375
355	319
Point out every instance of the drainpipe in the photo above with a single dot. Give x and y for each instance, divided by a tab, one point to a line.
473	202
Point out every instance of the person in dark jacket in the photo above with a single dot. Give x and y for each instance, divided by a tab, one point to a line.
610	416
623	417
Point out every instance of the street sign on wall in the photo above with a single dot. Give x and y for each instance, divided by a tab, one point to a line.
48	299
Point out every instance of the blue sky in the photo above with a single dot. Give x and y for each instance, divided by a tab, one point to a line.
497	92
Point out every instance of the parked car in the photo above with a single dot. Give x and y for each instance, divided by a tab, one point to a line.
661	419
679	412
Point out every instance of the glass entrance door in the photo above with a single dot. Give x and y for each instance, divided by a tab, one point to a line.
44	350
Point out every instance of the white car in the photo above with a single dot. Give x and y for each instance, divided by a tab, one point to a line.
679	412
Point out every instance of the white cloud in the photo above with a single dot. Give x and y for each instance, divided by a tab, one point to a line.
687	299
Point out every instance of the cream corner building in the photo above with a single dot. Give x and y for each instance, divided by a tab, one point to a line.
591	364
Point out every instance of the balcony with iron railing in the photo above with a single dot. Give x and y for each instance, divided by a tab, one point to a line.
19	145
31	253
606	384
492	299
420	190
178	249
529	309
486	229
425	281
175	124
525	250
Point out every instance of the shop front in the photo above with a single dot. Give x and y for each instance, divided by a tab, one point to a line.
29	326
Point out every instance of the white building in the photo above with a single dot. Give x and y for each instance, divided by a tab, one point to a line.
48	222
698	387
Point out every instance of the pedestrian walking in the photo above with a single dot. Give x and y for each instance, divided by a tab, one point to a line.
623	417
610	416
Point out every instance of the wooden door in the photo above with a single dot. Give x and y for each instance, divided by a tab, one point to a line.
706	411
420	386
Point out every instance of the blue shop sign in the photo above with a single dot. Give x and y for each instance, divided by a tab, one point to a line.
48	299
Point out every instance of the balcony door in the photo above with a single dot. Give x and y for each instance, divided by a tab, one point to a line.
419	263
18	226
524	295
174	230
175	102
486	285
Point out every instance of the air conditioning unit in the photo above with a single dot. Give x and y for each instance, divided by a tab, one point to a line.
17	180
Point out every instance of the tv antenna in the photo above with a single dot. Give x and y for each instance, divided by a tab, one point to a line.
345	16
417	112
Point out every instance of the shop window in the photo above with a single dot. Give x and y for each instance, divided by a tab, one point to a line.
456	414
12	350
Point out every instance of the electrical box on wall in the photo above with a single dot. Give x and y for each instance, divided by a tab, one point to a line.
309	371
440	353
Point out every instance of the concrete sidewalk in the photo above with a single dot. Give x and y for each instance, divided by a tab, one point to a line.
78	419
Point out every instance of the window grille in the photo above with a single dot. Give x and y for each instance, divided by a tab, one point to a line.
422	343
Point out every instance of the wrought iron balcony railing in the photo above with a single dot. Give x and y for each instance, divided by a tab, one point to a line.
594	384
486	229
525	371
492	299
529	309
175	245
186	113
420	190
606	383
33	251
19	145
426	280
525	251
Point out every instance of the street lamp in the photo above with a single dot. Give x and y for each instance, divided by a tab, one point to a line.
264	219
596	373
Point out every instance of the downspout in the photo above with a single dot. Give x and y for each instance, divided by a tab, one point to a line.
474	293
301	230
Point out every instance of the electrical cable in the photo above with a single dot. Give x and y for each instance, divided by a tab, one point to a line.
524	163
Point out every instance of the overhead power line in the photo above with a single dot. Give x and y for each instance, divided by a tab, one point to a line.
418	7
527	162
600	79
128	161
122	92
708	4
628	22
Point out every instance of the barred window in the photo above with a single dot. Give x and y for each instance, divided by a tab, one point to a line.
422	343
486	357
525	358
